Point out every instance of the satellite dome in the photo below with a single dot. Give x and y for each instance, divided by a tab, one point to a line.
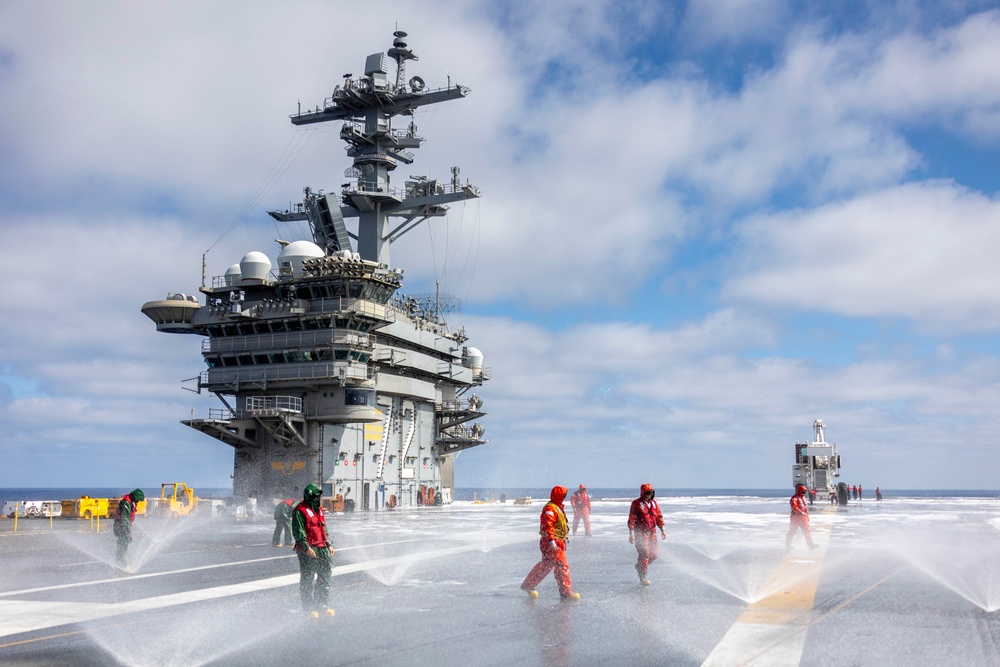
233	275
292	255
255	266
474	360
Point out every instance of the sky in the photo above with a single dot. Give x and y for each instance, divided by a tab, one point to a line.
704	225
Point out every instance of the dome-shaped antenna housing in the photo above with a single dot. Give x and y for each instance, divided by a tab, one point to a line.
292	256
232	275
255	266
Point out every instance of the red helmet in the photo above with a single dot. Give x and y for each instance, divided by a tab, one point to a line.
801	488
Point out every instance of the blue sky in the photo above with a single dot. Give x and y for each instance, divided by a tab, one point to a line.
703	225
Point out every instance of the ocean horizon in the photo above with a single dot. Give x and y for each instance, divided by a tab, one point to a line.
509	493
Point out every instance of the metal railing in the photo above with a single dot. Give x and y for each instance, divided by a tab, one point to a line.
298	339
337	371
285	403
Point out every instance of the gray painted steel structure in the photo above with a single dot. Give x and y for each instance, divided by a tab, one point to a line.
327	374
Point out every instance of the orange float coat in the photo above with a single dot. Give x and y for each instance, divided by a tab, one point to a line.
799	518
554	531
644	517
581	509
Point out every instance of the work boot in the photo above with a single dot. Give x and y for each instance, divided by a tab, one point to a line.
329	613
572	597
530	591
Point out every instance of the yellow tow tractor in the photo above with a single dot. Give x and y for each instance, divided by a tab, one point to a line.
177	499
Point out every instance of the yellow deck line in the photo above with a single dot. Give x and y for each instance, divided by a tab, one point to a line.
772	630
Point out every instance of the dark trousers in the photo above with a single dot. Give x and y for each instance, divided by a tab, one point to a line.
279	526
121	552
314	579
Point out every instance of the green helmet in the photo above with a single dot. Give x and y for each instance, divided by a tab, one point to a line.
138	496
311	493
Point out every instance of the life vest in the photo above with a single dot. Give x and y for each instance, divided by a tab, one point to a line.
799	507
554	522
315	525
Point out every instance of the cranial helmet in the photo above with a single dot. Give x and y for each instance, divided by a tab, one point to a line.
311	493
138	496
800	488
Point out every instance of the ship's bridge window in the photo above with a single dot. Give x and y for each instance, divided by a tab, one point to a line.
359	397
340	355
355	291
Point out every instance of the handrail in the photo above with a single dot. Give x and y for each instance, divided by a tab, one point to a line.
335	370
277	341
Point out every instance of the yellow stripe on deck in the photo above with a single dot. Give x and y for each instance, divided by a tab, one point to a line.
772	630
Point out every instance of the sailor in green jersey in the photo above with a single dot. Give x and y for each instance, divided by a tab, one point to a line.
124	516
312	545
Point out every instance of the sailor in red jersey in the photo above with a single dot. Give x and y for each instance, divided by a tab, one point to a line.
580	501
312	545
644	517
800	518
554	533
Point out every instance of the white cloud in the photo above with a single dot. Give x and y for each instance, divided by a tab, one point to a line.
921	251
133	148
709	22
627	403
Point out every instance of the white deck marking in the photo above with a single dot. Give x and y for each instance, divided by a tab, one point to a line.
18	616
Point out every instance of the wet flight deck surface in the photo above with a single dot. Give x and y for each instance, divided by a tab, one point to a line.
902	582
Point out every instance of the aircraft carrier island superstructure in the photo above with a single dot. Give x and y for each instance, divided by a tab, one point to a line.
326	372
